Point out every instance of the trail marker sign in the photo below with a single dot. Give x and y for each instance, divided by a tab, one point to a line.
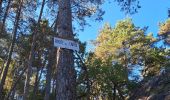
68	44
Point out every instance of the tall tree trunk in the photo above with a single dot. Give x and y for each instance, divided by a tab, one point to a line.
2	68
12	94
1	6
30	60
114	92
65	74
15	84
35	85
37	80
51	61
11	47
1	3
84	67
54	85
120	94
4	17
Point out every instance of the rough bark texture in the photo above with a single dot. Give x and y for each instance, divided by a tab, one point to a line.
11	48
65	74
30	60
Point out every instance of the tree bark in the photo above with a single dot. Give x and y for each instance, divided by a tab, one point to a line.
2	68
36	85
1	3
54	86
84	67
49	73
13	92
120	93
30	60
51	62
1	6
11	47
15	84
65	72
114	92
37	80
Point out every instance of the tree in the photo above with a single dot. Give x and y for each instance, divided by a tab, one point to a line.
105	79
30	60
11	46
164	32
126	46
65	80
27	38
65	75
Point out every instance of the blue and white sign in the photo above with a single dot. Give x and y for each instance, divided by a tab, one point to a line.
68	44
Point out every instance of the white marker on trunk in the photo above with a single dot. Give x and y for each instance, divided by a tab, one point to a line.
68	44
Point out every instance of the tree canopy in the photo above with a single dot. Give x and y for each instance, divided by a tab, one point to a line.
124	56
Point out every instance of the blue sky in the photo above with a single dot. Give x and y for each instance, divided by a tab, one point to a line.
151	13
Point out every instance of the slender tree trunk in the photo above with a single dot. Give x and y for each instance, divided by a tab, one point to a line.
120	93
1	3
1	6
65	74
11	47
35	85
84	67
114	92
125	59
2	68
15	84
37	80
4	17
26	87
54	86
51	62
12	94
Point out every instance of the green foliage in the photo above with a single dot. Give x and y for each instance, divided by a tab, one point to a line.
115	42
164	31
154	61
102	76
129	6
126	45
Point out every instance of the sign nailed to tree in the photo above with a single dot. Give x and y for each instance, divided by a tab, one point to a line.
68	44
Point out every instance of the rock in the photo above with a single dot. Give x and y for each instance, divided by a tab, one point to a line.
157	88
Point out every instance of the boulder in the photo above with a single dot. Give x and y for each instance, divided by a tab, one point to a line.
156	88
